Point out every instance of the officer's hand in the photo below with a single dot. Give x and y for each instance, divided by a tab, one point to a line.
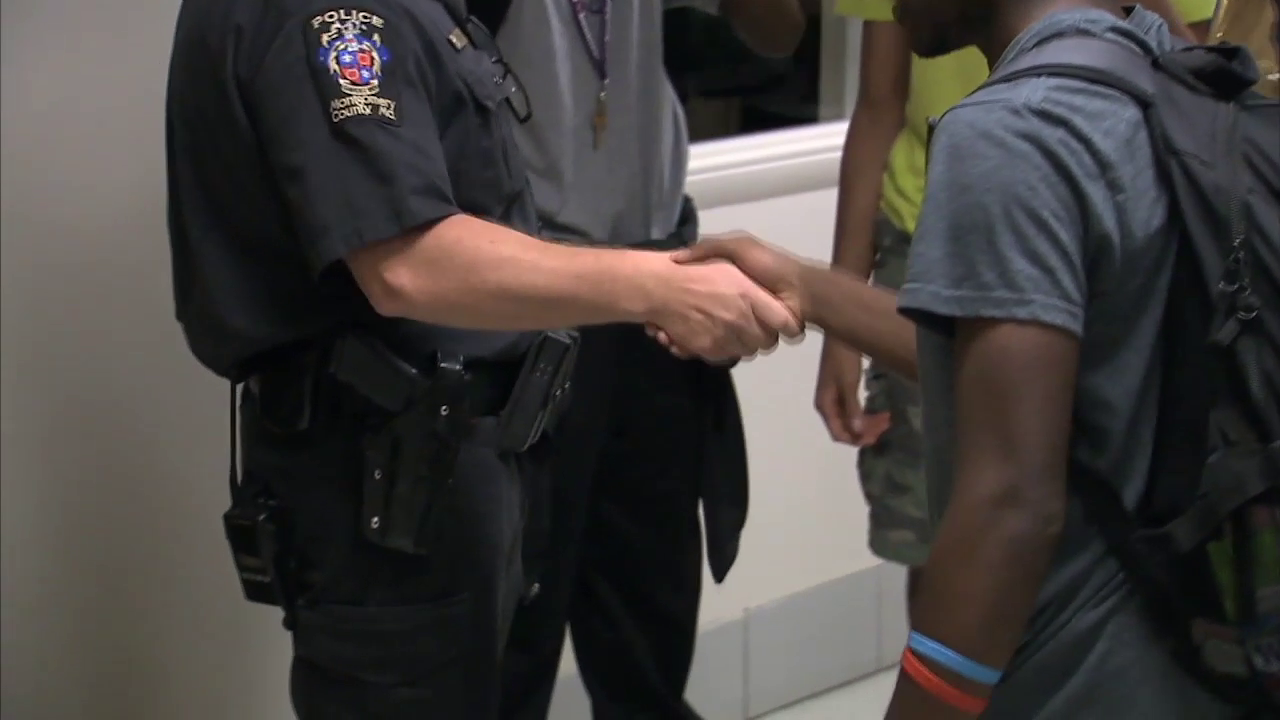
715	312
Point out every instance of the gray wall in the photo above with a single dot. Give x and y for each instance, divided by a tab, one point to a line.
118	599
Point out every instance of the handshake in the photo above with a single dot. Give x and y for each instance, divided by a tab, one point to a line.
731	296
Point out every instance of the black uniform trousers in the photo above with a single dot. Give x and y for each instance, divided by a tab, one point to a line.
380	634
623	561
645	438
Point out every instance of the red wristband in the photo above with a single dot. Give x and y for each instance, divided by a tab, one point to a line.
939	688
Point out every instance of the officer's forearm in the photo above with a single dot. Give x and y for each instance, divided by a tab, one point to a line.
861	316
469	273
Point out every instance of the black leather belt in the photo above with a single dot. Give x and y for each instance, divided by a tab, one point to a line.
284	392
393	385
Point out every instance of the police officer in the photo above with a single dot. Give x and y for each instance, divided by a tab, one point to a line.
352	239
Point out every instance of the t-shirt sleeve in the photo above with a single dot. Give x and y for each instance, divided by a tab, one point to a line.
1195	11
874	10
1001	234
343	114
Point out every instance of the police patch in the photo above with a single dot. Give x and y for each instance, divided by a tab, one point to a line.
351	63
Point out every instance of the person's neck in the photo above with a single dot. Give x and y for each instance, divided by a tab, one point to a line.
1014	16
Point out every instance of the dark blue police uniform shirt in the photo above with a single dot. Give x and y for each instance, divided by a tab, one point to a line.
299	131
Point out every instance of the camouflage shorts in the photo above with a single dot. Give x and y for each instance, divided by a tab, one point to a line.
892	470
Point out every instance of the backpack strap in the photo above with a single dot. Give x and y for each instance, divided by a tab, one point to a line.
1113	63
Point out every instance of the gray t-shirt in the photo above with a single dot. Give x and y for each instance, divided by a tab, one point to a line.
1043	205
630	189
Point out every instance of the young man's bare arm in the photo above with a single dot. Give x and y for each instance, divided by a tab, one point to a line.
878	117
1015	388
1015	391
843	305
863	317
999	287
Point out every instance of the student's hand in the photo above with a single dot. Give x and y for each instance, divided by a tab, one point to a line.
775	270
713	311
771	268
837	397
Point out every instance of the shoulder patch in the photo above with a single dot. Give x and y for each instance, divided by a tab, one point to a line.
353	65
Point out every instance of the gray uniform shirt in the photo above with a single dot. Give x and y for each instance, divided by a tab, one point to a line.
630	189
1043	205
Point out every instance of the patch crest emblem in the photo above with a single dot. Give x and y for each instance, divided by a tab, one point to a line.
353	56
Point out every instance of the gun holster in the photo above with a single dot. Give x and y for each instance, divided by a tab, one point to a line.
410	464
411	456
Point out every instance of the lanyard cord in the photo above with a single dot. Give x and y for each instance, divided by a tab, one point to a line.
599	53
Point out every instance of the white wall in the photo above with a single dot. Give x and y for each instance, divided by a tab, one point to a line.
808	522
118	599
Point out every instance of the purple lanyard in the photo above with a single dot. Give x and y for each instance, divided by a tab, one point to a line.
599	53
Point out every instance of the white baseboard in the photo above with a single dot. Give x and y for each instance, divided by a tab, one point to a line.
788	650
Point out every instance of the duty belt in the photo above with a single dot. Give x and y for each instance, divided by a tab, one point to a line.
393	385
374	381
506	405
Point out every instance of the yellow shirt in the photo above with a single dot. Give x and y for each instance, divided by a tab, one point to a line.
936	85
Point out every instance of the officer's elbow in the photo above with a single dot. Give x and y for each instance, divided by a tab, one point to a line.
382	273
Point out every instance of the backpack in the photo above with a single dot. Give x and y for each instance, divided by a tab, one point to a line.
1202	549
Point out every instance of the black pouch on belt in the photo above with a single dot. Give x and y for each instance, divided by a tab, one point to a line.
539	390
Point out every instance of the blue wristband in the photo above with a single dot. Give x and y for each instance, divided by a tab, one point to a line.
944	656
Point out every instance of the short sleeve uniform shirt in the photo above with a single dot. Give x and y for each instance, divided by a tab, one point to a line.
299	131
